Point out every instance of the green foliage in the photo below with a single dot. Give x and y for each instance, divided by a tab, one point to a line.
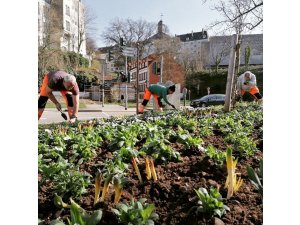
256	177
136	212
71	62
210	203
49	170
79	216
85	77
217	156
71	183
183	137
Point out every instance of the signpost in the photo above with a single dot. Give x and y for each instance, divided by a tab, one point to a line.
127	52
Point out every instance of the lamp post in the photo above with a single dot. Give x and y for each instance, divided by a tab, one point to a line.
103	68
137	78
126	92
161	68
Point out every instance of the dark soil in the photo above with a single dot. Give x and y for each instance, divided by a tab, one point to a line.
173	194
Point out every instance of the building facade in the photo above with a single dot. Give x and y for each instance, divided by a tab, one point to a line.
205	50
61	25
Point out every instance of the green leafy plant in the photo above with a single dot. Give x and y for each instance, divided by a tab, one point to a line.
136	212
217	156
256	177
187	140
79	216
210	203
114	171
71	183
50	169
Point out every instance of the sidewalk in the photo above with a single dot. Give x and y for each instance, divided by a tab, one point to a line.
106	108
92	111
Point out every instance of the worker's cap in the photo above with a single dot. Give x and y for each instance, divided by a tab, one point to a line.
70	79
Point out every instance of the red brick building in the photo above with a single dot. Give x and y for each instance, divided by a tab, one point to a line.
150	71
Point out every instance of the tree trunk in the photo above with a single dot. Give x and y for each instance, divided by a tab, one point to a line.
236	69
230	76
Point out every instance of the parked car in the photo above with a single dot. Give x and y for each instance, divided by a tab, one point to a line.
208	100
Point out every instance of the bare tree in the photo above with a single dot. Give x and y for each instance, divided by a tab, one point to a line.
87	30
52	31
91	46
238	16
132	31
219	50
248	12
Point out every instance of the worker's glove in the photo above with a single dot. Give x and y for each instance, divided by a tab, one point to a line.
58	106
173	106
73	119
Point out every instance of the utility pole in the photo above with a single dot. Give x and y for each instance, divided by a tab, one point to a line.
103	72
137	78
103	68
161	68
126	93
230	75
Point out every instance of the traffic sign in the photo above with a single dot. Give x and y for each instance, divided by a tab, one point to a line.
127	51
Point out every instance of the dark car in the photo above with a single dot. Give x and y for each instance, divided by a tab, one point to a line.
207	100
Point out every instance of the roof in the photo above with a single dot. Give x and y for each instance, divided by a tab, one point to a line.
193	36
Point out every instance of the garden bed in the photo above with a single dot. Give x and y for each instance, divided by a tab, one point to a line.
173	193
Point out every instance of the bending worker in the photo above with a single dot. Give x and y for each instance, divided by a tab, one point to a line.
68	87
159	92
247	83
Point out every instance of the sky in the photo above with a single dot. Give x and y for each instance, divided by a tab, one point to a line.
180	16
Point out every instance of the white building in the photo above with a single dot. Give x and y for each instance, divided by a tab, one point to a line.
206	49
61	25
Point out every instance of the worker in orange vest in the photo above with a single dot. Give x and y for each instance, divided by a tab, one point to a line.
247	83
67	85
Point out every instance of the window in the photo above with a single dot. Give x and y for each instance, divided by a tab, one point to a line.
68	25
156	68
67	10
